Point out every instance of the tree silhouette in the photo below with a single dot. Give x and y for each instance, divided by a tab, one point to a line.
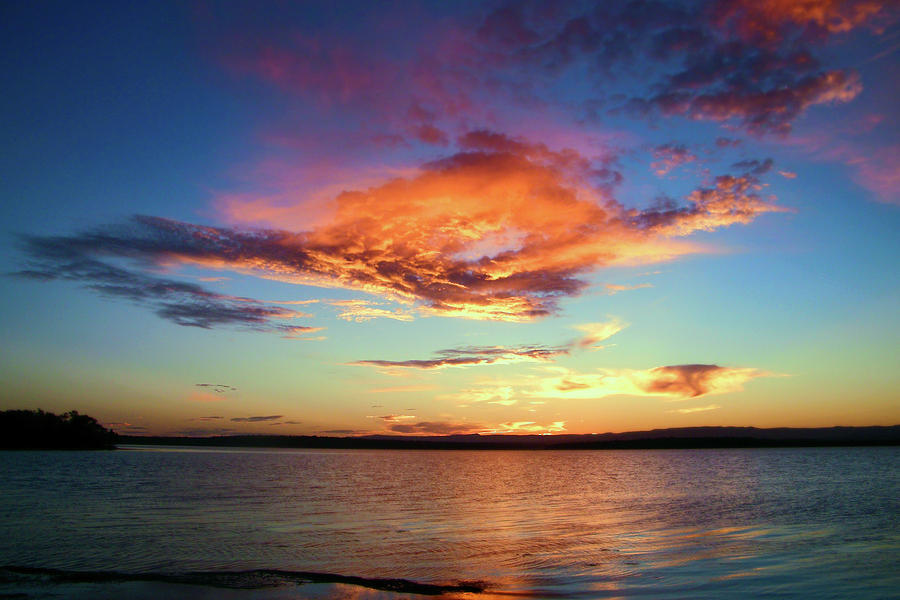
39	429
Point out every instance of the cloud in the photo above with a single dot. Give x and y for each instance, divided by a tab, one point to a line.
301	332
500	235
743	62
670	156
395	418
724	142
209	418
219	388
733	199
755	167
770	20
345	432
255	419
489	394
489	355
676	381
366	310
614	288
687	411
529	427
436	428
472	355
89	259
597	332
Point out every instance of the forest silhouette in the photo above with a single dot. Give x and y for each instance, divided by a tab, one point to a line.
22	429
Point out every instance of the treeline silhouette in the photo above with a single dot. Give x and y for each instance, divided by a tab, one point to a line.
21	429
677	438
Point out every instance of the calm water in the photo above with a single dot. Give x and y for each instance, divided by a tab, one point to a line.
791	523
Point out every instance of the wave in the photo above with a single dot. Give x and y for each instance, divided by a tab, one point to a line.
246	580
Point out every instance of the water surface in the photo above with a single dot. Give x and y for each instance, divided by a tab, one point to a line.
798	523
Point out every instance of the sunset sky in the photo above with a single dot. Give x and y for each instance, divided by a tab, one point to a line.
344	218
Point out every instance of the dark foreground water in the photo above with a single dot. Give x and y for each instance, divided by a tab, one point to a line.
277	524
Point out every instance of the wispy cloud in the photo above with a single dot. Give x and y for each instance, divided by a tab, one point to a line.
694	409
615	288
89	259
395	418
256	419
301	332
488	393
470	356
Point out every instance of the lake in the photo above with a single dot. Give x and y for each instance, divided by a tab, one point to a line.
255	523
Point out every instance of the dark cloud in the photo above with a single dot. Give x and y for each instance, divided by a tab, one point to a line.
740	61
210	418
255	419
755	167
90	259
219	388
344	432
473	355
693	380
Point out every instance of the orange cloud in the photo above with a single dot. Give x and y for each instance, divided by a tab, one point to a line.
481	234
765	20
528	427
394	418
492	235
677	381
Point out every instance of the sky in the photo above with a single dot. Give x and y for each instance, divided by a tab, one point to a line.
428	218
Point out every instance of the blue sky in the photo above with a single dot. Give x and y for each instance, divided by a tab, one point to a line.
426	218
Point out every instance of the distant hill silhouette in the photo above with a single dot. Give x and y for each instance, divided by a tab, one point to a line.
684	437
21	429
